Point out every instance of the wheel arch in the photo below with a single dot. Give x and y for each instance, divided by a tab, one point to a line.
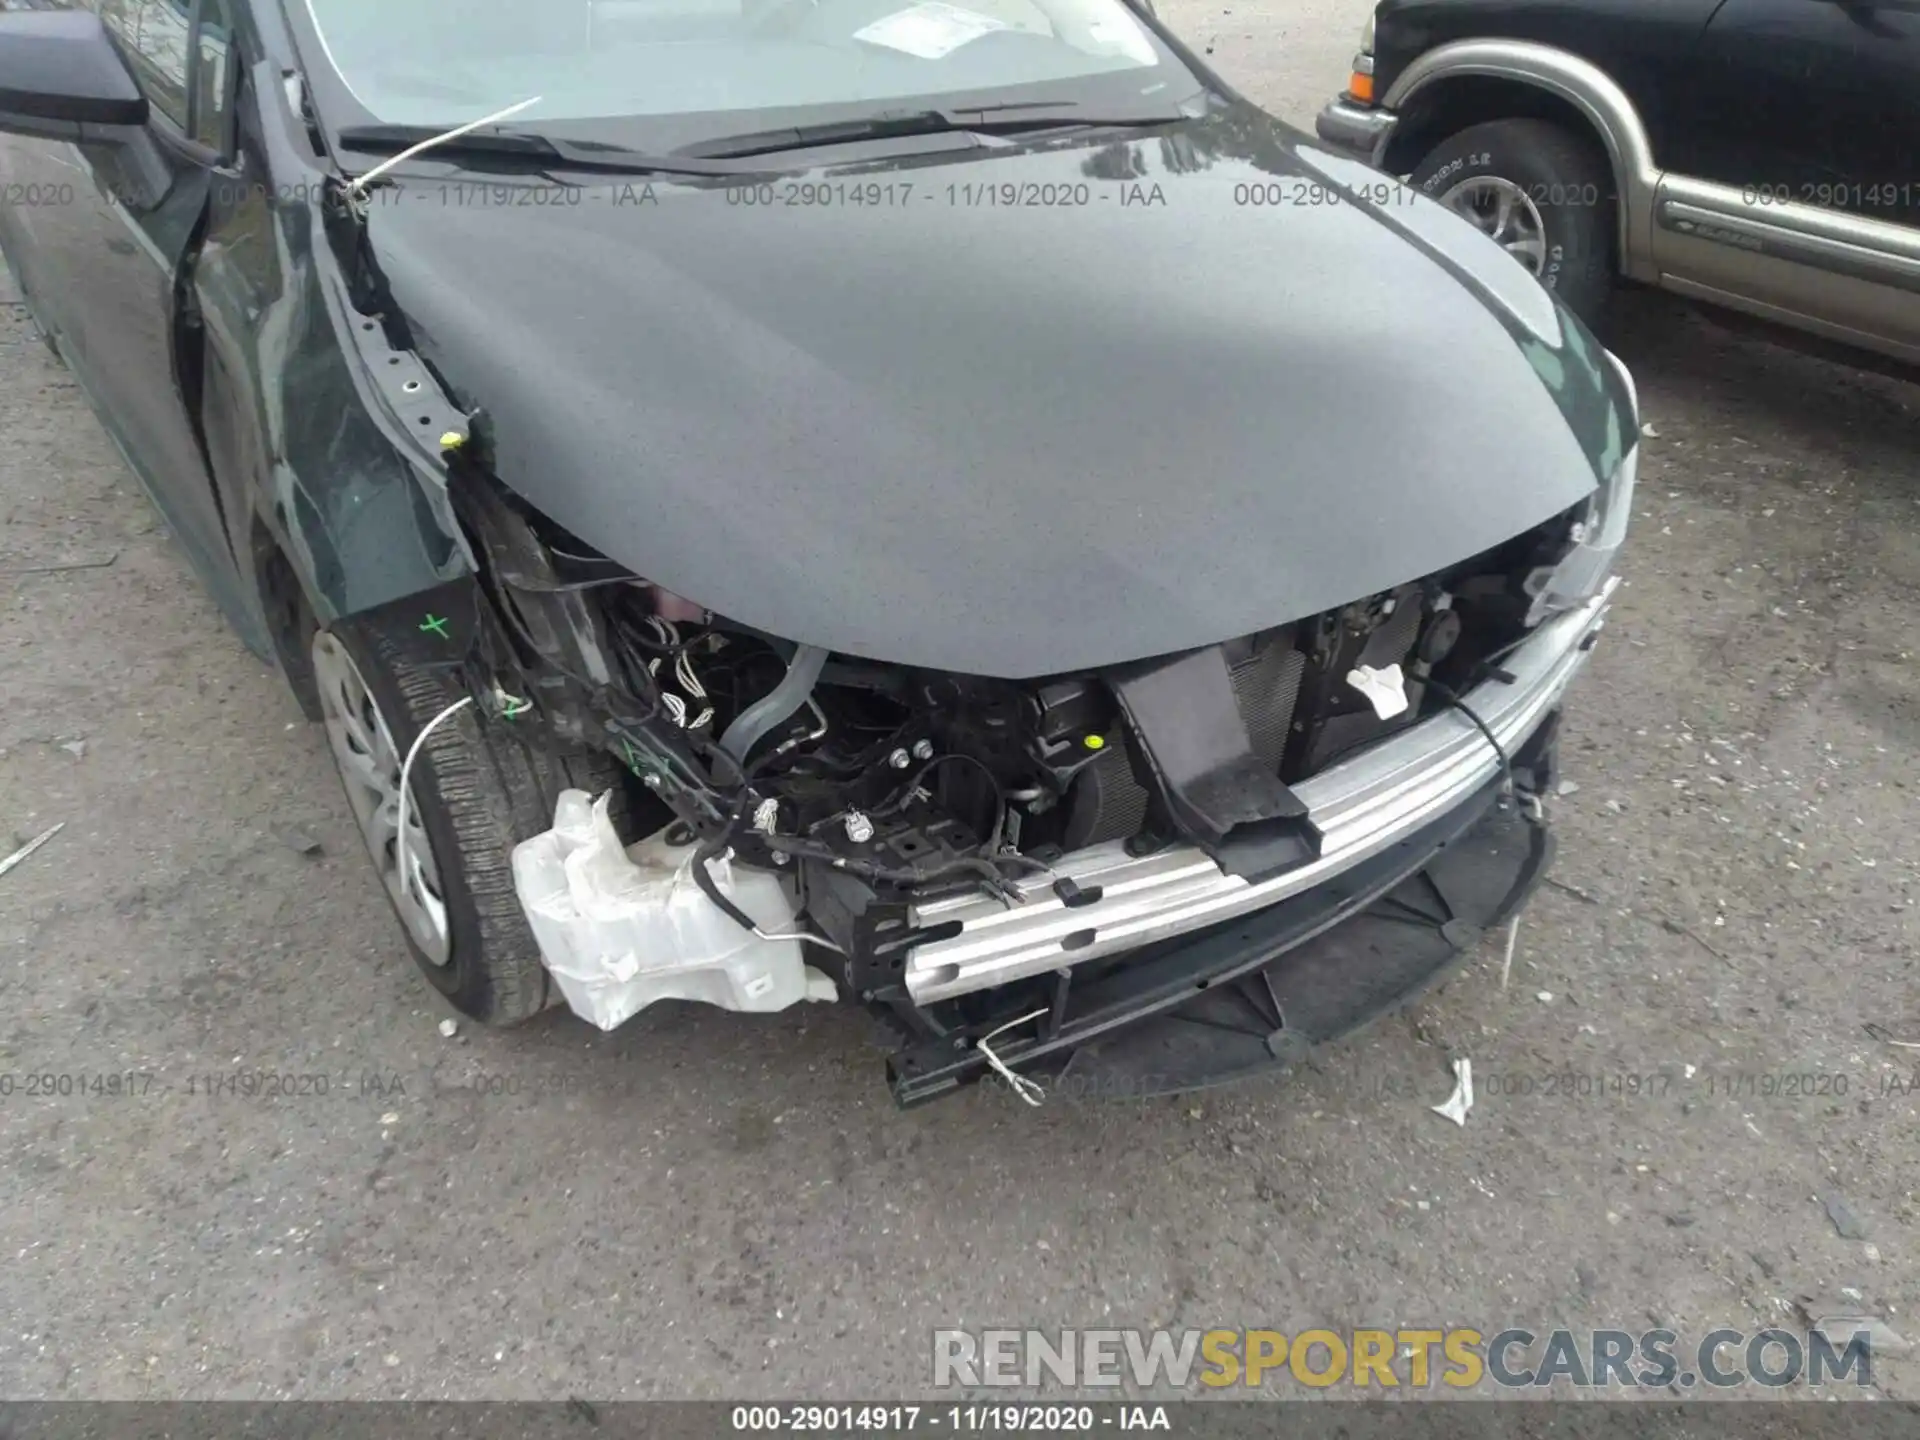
1468	82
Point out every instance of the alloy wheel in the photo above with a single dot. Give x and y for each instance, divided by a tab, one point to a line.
1506	213
369	764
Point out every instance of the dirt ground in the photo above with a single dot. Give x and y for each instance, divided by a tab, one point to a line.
704	1205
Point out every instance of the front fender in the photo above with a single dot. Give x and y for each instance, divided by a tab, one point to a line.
314	450
363	486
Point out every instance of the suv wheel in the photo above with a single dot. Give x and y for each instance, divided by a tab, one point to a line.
1542	193
472	795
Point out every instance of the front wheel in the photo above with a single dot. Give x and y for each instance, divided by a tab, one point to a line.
472	795
1542	193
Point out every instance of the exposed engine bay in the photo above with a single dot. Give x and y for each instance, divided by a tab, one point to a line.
873	790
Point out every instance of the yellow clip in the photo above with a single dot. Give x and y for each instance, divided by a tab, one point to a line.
452	440
1095	742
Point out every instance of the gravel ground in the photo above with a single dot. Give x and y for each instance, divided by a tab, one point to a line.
704	1205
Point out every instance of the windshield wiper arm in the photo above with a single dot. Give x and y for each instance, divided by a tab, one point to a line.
1014	118
402	141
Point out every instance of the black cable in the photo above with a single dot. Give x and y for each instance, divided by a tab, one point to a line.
1488	666
983	868
1455	702
1016	858
904	796
717	845
978	866
710	887
810	849
806	848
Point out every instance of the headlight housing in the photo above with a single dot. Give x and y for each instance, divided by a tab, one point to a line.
1598	534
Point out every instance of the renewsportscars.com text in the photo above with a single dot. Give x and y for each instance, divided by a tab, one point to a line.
1836	1352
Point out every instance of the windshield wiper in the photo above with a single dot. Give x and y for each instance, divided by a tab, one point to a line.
1015	118
535	149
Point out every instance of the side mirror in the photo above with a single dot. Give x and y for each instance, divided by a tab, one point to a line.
62	78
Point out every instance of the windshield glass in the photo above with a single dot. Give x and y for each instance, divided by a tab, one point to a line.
443	62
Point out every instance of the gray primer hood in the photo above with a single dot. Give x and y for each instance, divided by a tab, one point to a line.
1000	440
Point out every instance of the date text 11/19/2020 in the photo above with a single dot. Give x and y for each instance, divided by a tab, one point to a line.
889	1419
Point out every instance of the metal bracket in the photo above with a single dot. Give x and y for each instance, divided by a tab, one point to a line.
430	423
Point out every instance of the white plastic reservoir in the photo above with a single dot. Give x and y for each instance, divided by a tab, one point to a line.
620	929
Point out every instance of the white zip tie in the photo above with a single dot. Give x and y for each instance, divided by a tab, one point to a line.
406	770
357	187
1027	1089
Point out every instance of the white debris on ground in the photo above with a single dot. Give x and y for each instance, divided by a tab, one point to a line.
32	845
1456	1105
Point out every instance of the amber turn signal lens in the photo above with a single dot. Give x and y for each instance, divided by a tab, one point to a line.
1360	88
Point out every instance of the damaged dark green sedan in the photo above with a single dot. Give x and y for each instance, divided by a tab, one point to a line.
937	506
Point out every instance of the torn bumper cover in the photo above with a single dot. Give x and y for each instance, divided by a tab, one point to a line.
1372	803
1259	993
1425	851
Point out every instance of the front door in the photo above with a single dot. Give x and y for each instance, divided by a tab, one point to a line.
1793	170
143	207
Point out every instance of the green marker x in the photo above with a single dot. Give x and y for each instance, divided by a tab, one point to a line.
436	624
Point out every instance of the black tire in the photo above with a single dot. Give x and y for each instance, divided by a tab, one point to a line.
479	793
1567	178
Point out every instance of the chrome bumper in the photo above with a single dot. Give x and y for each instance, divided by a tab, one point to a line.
1361	806
1361	131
